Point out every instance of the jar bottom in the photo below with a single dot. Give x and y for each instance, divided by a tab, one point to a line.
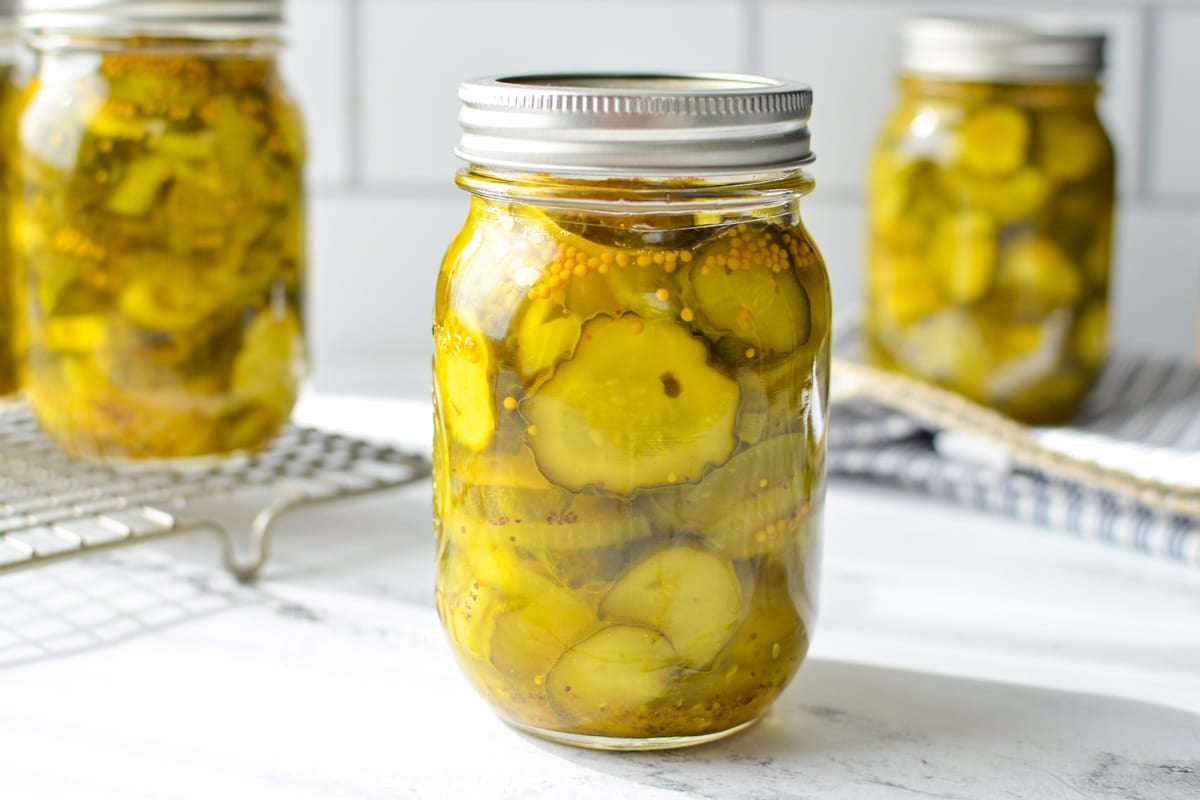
628	744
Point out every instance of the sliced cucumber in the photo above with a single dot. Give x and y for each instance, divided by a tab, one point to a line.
743	284
692	595
546	334
463	374
528	640
604	683
761	657
755	503
638	406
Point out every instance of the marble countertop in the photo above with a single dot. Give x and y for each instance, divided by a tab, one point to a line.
957	656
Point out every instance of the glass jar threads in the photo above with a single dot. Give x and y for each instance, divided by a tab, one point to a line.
990	206
631	373
160	227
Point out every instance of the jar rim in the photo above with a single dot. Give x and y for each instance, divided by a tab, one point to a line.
634	124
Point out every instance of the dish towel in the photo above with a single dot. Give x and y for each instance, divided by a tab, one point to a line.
1126	472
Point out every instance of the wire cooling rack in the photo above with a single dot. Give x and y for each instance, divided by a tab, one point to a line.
54	508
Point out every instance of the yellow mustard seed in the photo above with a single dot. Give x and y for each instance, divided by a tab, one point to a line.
687	315
510	402
662	294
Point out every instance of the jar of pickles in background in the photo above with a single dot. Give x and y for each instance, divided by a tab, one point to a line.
159	227
990	217
9	369
631	373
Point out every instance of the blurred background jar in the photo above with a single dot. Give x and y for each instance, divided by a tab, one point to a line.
990	217
159	227
631	369
9	369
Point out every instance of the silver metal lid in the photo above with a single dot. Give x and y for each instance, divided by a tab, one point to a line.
636	125
149	17
988	49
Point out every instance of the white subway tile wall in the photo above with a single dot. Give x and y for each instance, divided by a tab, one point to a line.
377	82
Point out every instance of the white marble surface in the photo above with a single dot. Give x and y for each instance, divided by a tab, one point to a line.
957	656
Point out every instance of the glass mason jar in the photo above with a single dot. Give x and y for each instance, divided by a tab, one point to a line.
9	371
991	206
631	375
160	227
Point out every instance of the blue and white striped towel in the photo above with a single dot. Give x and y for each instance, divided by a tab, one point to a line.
1143	416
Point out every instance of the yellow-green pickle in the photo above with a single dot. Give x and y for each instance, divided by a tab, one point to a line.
631	374
9	367
991	206
160	229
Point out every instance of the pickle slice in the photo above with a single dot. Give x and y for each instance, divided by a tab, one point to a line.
994	140
629	284
501	608
762	655
776	399
484	582
505	500
528	640
463	371
469	607
964	254
591	278
901	287
546	334
606	681
777	461
1007	199
905	200
139	189
755	503
743	284
169	298
1069	145
638	406
547	519
1036	277
270	362
692	595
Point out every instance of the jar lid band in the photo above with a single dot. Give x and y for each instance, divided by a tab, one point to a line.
614	124
999	50
165	17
